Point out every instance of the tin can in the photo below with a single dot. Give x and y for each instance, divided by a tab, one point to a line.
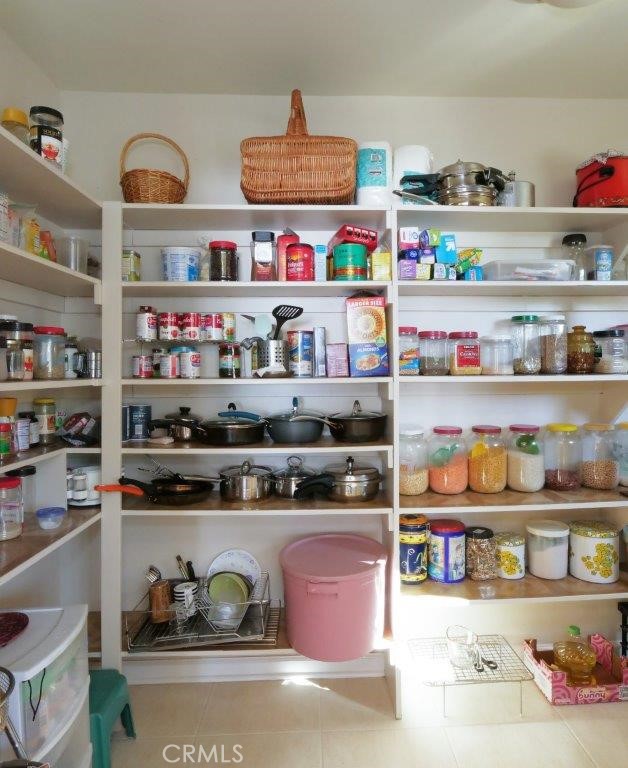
413	533
142	366
146	324
126	422
189	362
190	326
446	551
140	417
301	353
228	326
157	353
600	262
299	262
510	552
131	266
169	366
211	327
168	326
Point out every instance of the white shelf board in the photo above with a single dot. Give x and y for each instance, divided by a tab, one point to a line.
514	380
30	386
248	289
32	456
513	288
464	218
18	266
256	382
27	178
84	450
236	217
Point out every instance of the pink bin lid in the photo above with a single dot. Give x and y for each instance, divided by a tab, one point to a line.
332	557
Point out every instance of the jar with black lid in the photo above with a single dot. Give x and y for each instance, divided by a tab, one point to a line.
46	133
481	559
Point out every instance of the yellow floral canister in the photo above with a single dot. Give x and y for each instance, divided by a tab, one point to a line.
594	551
510	550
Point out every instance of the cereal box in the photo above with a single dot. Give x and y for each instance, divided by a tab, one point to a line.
366	326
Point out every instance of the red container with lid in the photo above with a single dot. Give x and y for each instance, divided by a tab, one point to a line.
446	549
283	241
299	262
602	181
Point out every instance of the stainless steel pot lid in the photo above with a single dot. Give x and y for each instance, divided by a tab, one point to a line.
184	416
356	413
296	411
351	472
460	168
246	469
295	468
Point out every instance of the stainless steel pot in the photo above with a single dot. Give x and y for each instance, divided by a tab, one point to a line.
343	482
179	425
459	173
287	480
467	194
246	482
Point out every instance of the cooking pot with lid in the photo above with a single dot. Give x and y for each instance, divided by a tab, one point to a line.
287	480
228	429
179	425
246	482
344	482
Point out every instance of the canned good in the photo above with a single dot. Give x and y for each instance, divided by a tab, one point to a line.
189	362
140	417
168	326
126	422
228	326
157	353
142	366
211	327
131	266
190	326
413	532
299	262
146	324
229	361
169	366
301	353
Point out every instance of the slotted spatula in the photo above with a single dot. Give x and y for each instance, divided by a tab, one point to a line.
283	313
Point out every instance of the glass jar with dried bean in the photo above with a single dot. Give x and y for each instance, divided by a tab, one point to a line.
553	344
563	457
433	353
600	466
481	560
447	459
526	468
487	460
413	474
580	351
526	342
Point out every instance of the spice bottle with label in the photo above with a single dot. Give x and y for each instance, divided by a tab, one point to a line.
33	437
464	353
229	361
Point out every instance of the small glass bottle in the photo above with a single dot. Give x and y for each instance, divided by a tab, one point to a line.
6	439
580	351
413	473
553	344
487	460
263	256
600	465
563	457
229	364
574	248
34	430
526	342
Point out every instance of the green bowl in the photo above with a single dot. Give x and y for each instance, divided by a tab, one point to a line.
228	587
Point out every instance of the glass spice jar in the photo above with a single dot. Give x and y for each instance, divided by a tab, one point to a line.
464	353
553	344
487	460
481	561
580	351
526	342
600	465
46	413
563	457
433	360
447	460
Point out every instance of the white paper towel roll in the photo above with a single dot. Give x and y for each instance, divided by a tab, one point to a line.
409	159
374	173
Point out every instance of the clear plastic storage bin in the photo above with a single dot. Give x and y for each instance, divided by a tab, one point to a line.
529	270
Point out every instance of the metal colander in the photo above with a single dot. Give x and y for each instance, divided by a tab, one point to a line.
7	682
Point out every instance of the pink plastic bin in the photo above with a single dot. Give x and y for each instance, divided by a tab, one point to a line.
334	588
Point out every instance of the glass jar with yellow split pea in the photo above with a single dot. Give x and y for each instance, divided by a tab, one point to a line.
487	460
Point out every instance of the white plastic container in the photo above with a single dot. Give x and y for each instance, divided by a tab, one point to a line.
181	264
594	551
548	549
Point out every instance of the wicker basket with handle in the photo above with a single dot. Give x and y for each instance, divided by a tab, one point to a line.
297	167
147	185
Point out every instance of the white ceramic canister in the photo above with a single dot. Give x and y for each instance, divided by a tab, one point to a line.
548	548
510	550
594	551
374	173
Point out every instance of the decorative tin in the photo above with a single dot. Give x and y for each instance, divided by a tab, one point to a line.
510	549
446	556
594	551
413	533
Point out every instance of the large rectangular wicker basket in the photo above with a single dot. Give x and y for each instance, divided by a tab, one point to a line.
297	167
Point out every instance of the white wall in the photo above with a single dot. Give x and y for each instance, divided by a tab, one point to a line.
543	139
22	83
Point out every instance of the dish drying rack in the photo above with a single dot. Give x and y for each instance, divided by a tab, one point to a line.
258	622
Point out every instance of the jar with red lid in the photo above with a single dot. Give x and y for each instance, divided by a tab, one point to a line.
464	353
433	353
487	460
299	262
48	352
447	460
446	551
221	262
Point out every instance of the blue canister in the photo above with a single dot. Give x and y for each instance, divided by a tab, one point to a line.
413	533
446	555
600	265
140	417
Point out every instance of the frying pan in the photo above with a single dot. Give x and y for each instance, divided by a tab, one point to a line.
172	493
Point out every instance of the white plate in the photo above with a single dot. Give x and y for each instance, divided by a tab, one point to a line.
237	561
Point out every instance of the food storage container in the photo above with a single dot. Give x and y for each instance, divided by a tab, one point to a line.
563	457
46	134
223	261
72	252
18	337
580	351
600	260
548	548
446	555
408	351
620	450
496	356
413	535
553	344
263	256
574	250
487	459
526	342
4	370
481	563
46	414
510	554
600	465
50	518
335	592
413	473
26	476
447	460
464	353
11	508
16	122
541	269
594	551
526	461
610	351
180	264
49	352
433	359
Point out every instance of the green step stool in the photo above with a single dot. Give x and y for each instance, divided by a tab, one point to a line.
108	701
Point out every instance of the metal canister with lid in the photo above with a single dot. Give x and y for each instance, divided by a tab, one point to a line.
481	564
446	555
594	551
413	535
350	262
510	553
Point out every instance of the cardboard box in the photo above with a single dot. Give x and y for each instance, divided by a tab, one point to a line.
337	359
380	265
406	269
611	675
446	250
366	331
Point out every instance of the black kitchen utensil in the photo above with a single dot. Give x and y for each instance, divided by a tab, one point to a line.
283	313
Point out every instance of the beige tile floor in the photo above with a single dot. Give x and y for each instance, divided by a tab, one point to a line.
350	724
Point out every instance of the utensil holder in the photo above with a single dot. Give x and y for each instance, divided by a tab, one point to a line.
274	352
